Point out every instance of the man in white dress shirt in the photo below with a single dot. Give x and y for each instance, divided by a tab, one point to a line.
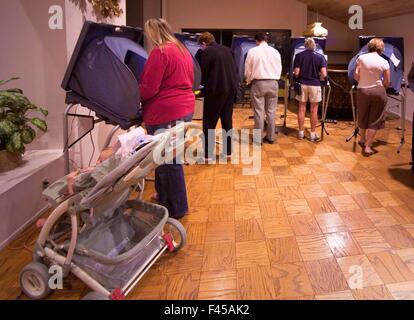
262	70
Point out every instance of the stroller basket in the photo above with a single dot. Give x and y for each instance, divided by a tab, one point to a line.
116	248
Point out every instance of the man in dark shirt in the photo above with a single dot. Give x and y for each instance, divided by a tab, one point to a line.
220	80
309	69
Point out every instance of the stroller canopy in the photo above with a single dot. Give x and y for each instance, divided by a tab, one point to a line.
104	71
392	54
298	46
240	47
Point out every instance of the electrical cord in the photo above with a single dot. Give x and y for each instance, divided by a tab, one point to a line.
93	145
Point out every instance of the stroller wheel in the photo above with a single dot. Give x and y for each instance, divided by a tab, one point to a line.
177	231
95	296
34	280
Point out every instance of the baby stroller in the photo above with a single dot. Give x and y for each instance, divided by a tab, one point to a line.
113	240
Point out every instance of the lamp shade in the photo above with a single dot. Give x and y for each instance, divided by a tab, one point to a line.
316	30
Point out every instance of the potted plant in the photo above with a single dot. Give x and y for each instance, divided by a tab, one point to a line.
16	125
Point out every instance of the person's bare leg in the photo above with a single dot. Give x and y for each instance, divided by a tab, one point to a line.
314	116
363	133
301	116
370	136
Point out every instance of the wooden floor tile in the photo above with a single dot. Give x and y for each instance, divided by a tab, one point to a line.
219	256
390	267
249	230
291	280
326	178
314	247
220	231
372	293
313	191
272	209
180	286
357	219
196	214
251	254
341	295
321	205
291	193
277	228
218	285
381	217
223	197
223	184
244	182
344	203
407	256
354	187
298	206
247	211
397	237
281	171
344	176
330	222
283	250
403	214
326	276
269	194
336	167
342	244
286	181
387	199
402	291
188	259
304	225
306	179
196	232
370	240
359	272
255	284
221	213
246	196
374	186
410	229
265	182
366	201
334	189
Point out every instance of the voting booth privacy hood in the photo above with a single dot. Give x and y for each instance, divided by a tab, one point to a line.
393	53
104	72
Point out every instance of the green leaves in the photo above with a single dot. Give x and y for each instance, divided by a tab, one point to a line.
39	123
28	135
15	129
2	82
15	144
7	128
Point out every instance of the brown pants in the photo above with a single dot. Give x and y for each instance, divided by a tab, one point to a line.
371	104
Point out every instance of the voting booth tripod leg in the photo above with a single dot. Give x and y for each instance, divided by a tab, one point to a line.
403	95
325	103
355	134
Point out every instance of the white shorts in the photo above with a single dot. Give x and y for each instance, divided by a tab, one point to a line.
312	94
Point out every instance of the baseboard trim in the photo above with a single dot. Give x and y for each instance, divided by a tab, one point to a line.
20	230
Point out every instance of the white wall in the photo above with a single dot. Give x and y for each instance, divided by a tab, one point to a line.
401	26
36	54
237	14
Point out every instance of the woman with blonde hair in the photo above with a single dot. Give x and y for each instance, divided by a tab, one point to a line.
167	98
373	77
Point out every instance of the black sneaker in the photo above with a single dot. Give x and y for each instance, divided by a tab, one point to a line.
268	141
